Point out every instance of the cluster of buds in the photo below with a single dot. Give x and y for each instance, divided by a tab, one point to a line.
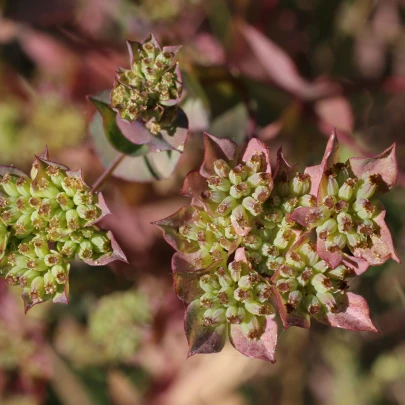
246	239
151	89
116	324
45	221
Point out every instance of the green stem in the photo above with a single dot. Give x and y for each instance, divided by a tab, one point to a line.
107	172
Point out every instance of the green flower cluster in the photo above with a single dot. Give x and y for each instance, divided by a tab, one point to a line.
152	88
117	324
237	295
345	214
306	283
45	221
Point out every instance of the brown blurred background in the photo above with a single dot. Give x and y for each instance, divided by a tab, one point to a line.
289	70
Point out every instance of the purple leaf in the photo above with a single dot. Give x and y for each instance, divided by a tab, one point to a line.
304	215
381	248
170	227
263	348
333	259
187	285
214	149
282	167
359	266
12	170
352	314
384	166
202	339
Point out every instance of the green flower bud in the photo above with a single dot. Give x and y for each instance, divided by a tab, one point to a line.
307	200
312	304
336	242
60	272
268	249
259	179
10	216
88	212
23	186
252	241
274	263
65	202
83	198
252	205
86	250
287	271
274	215
308	250
342	172
27	277
226	206
294	298
300	184
328	228
285	285
257	308
76	237
13	275
283	238
9	186
321	283
58	220
72	185
347	189
367	188
101	243
235	269
218	183
235	314
332	187
225	296
23	227
221	168
37	291
224	277
56	175
68	249
288	205
251	327
354	239
27	249
44	188
213	316
18	260
50	283
263	292
254	257
339	273
321	266
53	258
304	278
23	205
257	162
238	174
201	219
282	186
240	190
72	219
328	300
37	264
242	294
38	221
240	216
40	246
295	260
366	227
213	195
364	208
261	194
48	208
249	281
209	283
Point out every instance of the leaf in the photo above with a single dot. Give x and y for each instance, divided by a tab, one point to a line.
187	285
384	166
12	170
147	167
111	129
352	314
256	147
381	246
283	168
358	265
263	348
216	148
170	227
333	259
202	339
232	124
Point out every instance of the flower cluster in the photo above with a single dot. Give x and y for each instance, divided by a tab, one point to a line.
152	88
244	243
45	220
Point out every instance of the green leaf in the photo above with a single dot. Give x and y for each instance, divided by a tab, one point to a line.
110	128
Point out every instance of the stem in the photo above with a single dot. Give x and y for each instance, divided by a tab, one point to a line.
107	173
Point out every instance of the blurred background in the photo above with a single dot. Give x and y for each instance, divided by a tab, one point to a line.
288	70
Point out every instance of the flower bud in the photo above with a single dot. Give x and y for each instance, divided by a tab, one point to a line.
235	314
60	272
329	227
345	222
364	208
268	249
213	195
312	304
213	317
274	215
235	269
251	327
88	212
37	221
23	205
240	190
48	208
332	187
37	264
321	283
257	308
224	278
72	219
242	294
238	174
85	250
367	188
283	238
339	273
27	249
23	186
56	175
321	266
221	168
50	283
342	172
101	242
254	257
354	239
300	184
225	296
263	292
72	185
248	281
27	277
252	241
23	227
40	246
209	283
76	237
218	183
226	206
295	260
259	179
253	206
285	285
336	242
347	189
8	183
328	300
257	162
304	278
37	291
42	187
53	258
83	198
261	194
241	217
10	216
13	276
308	250
307	200
366	228
65	202
208	300
294	298
68	249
